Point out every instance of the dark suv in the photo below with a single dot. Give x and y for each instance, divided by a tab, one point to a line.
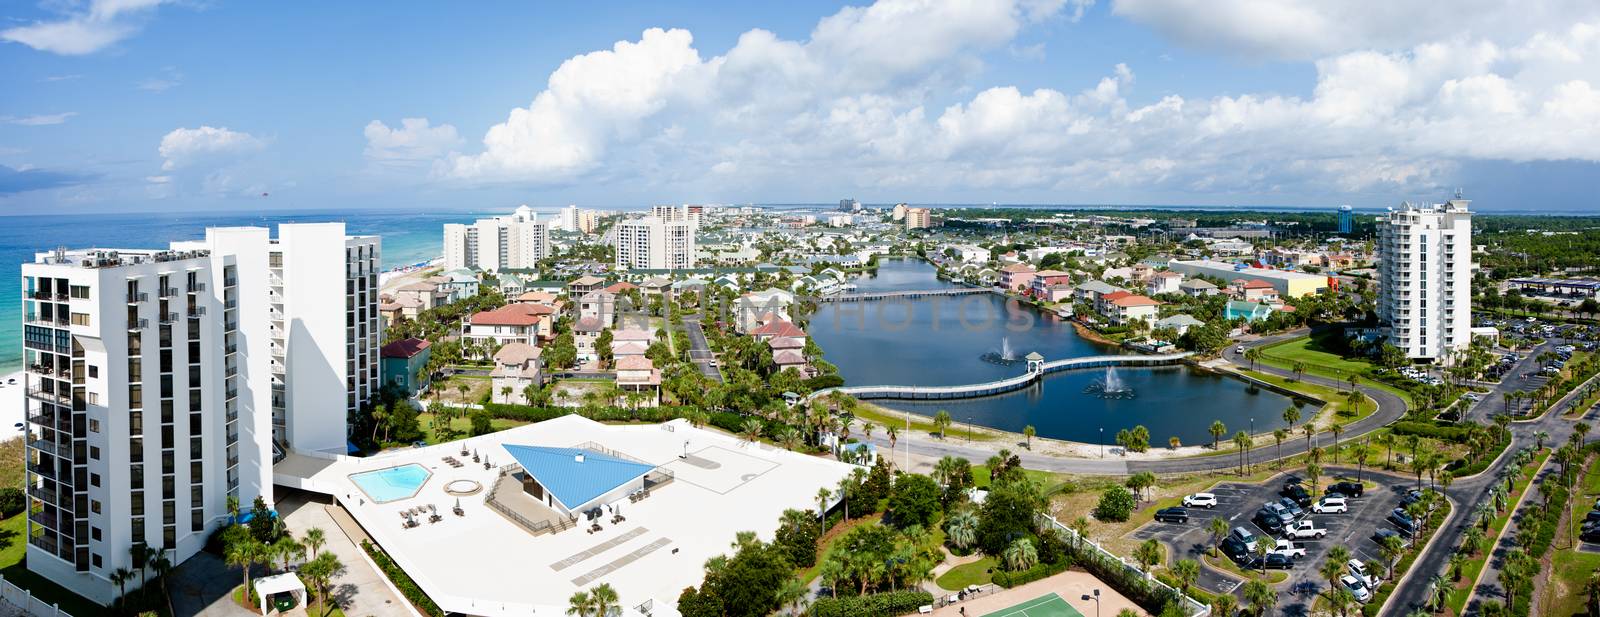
1268	521
1348	489
1172	515
1298	494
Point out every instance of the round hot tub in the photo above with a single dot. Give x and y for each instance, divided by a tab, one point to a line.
462	487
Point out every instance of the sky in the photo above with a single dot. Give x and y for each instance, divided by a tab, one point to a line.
210	105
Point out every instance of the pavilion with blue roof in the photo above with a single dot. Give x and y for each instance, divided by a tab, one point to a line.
571	480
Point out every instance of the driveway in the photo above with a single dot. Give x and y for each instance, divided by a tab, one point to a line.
359	589
699	349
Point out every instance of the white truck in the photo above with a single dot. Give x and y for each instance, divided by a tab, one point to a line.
1289	549
1304	529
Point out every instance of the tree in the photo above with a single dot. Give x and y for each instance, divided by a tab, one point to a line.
314	540
120	578
1217	527
1277	438
481	424
603	599
1218	429
1223	604
580	605
1187	572
1140	481
1242	441
1390	547
1020	555
1148	554
1116	504
1260	595
1331	570
962	529
1027	433
1361	452
243	553
320	571
914	500
1291	416
941	422
1010	510
1337	429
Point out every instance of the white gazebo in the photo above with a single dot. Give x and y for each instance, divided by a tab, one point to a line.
289	582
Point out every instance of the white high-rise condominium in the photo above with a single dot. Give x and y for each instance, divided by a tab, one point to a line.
677	213
518	240
1425	278
652	243
569	219
152	377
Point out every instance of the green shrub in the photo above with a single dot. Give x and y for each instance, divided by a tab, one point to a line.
12	502
402	581
874	605
1116	504
1037	572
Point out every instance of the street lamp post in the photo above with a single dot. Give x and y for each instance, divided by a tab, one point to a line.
1096	598
1102	442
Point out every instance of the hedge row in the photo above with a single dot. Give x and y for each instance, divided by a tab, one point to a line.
1037	572
1462	467
1380	596
402	581
1443	432
875	605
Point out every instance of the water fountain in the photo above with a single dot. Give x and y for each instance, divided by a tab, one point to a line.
1110	387
1005	356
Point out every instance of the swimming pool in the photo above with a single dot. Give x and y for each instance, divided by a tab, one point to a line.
392	483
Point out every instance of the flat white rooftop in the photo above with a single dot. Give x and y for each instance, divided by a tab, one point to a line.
483	564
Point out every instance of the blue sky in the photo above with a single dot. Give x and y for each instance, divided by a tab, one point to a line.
118	105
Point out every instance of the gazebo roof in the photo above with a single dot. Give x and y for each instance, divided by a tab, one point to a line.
1033	356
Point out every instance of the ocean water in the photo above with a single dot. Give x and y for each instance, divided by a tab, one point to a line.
408	237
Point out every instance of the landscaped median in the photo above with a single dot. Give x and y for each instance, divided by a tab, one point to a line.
401	580
1476	547
1381	595
1571	568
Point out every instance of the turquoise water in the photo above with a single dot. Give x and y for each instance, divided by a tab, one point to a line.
393	483
408	237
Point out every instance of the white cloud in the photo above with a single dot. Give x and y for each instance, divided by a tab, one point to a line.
184	147
412	142
1310	29
84	29
39	120
882	97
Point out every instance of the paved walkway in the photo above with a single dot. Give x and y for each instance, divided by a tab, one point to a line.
359	589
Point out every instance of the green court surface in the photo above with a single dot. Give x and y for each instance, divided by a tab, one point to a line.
1050	605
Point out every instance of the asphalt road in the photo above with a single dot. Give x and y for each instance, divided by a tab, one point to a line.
700	350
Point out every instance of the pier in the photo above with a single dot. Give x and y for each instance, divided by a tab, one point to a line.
904	295
1036	371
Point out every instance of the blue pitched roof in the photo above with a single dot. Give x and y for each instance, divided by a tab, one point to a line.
576	483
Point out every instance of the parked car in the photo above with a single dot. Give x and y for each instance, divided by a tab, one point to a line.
1268	521
1412	496
1331	505
1235	550
1348	489
1172	515
1592	535
1357	588
1359	570
1293	508
1304	529
1384	532
1289	549
1283	514
1403	521
1200	500
1245	537
1297	493
1593	515
1272	561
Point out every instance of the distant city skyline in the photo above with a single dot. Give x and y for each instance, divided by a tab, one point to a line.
166	106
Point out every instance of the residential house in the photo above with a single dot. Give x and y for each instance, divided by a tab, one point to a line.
1122	308
516	366
599	305
585	284
1179	323
1197	287
639	374
751	308
403	362
584	334
1043	280
1017	277
1254	290
456	285
777	328
1091	291
656	286
1163	283
1248	311
512	323
421	295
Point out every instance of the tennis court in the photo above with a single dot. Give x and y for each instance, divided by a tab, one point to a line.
1048	605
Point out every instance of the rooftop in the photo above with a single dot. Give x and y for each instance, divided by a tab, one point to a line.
575	476
404	348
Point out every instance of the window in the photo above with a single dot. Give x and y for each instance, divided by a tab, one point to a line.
94	372
94	452
94	480
94	532
94	425
80	319
94	506
80	292
95	558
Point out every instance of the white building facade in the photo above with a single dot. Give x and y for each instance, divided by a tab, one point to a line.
151	383
516	241
1425	278
652	243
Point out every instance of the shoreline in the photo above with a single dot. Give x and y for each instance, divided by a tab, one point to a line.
12	406
394	278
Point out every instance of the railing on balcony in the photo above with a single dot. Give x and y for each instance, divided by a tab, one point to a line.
197	287
231	349
137	297
34	320
45	295
232	325
197	312
230	282
138	324
169	317
55	397
169	292
49	371
233	393
231	304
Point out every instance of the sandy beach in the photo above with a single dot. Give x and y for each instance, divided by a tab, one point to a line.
393	279
11	406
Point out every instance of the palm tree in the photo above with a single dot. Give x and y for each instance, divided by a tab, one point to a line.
322	570
604	600
1242	441
752	430
1391	548
962	529
1591	587
1252	354
792	594
580	605
163	566
1539	437
1148	554
245	553
1218	528
121	576
1387	440
1020	555
941	422
139	554
844	495
314	540
1027	433
1291	416
1361	452
1339	600
1260	596
1218	429
1338	429
1331	570
1187	571
1309	432
1223	604
1438	591
287	548
894	436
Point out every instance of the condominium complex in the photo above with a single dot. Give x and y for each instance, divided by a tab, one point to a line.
677	213
918	218
653	243
162	382
518	240
569	219
1425	278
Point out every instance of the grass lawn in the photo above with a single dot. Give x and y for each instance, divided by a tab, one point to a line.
449	389
1571	568
13	546
827	543
462	425
1334	411
1320	361
919	423
975	573
1457	600
1273	577
1045	479
11	458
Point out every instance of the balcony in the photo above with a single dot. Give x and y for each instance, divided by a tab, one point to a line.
48	471
53	397
231	326
169	317
43	419
230	282
197	312
197	287
45	295
169	292
46	323
45	447
138	324
230	305
233	393
231	349
48	371
135	297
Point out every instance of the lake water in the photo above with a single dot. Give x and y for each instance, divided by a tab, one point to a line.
936	341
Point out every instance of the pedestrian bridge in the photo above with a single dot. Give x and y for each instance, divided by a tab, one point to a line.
904	295
1004	385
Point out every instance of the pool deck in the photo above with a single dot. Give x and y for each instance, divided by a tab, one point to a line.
484	564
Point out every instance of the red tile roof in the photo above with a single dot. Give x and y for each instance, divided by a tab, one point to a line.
1131	300
1115	295
512	315
406	348
621	286
1257	284
778	328
1017	268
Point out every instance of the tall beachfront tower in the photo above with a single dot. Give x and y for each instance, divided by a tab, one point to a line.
1425	278
155	380
518	240
652	243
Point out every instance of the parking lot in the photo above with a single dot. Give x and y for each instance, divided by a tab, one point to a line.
1237	502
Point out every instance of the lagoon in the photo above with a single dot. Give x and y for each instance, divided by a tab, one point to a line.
942	340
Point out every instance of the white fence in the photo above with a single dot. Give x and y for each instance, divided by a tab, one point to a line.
1195	607
24	600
